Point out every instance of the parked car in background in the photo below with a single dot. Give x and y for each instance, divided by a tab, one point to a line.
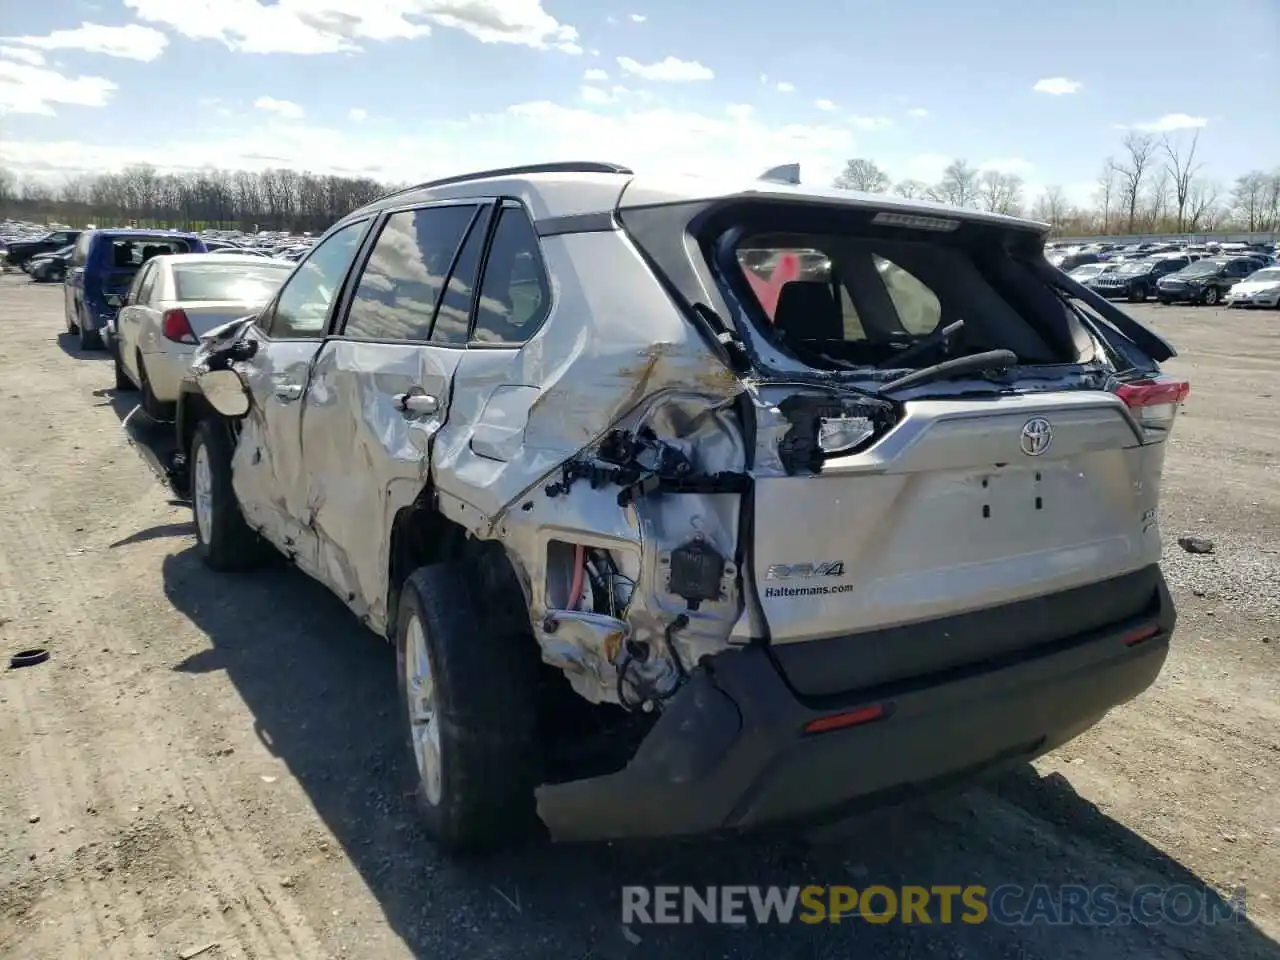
172	302
1135	280
1205	281
49	267
242	251
20	251
568	481
105	262
1090	270
1259	289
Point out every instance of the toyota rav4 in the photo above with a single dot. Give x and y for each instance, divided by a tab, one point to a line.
691	507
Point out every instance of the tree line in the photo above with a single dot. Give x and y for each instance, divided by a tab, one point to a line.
278	199
1151	185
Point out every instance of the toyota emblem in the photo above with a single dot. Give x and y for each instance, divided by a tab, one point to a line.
1037	434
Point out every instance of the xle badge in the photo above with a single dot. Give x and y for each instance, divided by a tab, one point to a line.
801	571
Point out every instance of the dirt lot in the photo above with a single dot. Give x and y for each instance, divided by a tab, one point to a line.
212	760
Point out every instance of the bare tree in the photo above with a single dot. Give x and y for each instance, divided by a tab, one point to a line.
958	186
864	175
1202	203
1250	199
1271	200
911	189
1181	167
1131	172
1051	206
1105	194
1000	192
1156	200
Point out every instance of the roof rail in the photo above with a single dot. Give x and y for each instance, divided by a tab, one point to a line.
561	166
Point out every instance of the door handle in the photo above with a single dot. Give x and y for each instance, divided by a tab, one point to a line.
288	392
418	403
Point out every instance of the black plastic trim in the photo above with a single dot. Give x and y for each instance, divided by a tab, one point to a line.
577	223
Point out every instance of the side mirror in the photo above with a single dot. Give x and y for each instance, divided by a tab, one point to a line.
114	300
225	392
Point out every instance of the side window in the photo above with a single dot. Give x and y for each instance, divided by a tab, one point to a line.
515	296
454	316
134	296
303	304
401	284
917	306
80	255
147	292
60	239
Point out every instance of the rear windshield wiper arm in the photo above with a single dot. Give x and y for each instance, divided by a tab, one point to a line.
939	337
991	360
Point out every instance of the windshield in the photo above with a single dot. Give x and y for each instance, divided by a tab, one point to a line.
1136	266
1089	270
249	283
1203	268
1269	275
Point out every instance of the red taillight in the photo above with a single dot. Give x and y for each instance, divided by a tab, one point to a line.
1154	403
850	718
175	326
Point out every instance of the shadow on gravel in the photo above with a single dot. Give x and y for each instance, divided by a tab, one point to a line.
322	690
69	343
154	440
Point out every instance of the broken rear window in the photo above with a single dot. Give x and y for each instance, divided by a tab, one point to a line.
836	300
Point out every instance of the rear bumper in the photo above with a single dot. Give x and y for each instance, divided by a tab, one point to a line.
730	753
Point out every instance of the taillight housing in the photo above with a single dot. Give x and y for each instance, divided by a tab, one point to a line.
176	326
1154	403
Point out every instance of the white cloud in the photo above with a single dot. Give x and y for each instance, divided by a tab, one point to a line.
638	18
1173	121
595	95
25	88
32	57
281	108
825	105
331	26
131	42
1015	165
927	167
1057	86
671	69
919	113
357	114
735	142
870	123
764	78
784	87
595	73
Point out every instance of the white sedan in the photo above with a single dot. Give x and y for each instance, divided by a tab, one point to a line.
173	301
1261	289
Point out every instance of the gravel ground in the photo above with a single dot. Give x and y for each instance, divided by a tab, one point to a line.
211	761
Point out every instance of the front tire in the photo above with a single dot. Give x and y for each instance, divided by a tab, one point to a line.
1211	297
1138	293
468	694
223	539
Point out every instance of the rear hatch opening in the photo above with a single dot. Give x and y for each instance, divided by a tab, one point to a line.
943	427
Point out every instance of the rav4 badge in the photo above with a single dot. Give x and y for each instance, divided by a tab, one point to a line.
796	571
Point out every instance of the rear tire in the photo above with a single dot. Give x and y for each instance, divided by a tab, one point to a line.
89	339
471	709
152	406
223	539
122	377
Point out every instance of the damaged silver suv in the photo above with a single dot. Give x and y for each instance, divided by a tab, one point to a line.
694	506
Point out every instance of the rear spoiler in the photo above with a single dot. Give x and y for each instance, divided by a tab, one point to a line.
1153	345
787	173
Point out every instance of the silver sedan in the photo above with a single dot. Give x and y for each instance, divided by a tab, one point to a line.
174	300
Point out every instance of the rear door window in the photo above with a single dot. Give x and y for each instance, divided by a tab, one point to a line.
400	287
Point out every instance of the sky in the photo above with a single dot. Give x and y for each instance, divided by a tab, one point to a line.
405	90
